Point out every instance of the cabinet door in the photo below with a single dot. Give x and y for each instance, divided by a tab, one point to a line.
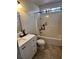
34	45
29	49
26	51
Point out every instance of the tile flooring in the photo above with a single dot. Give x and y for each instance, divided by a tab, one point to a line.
50	52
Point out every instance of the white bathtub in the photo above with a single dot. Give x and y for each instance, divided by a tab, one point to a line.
51	40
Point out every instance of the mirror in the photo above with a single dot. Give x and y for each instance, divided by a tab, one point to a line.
19	25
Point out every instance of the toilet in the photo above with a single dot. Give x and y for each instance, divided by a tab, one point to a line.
41	43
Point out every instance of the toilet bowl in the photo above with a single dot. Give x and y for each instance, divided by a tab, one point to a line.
41	43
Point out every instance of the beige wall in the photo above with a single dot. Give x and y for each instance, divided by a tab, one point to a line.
27	16
31	21
54	21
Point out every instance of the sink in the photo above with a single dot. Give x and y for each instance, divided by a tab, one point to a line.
23	40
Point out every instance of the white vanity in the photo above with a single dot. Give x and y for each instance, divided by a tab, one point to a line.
27	46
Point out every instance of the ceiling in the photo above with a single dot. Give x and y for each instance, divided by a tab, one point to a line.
43	2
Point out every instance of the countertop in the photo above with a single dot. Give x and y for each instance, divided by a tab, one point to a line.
24	39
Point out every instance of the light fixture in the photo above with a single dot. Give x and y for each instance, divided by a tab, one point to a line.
19	5
18	2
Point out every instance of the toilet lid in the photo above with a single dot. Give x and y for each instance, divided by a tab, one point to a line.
40	41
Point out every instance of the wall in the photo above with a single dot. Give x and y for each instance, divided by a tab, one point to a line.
31	21
50	5
27	16
54	21
18	23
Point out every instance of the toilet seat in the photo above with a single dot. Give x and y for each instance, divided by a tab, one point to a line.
41	42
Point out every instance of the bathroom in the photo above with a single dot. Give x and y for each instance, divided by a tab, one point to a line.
39	29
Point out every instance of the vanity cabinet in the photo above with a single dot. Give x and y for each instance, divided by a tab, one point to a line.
29	48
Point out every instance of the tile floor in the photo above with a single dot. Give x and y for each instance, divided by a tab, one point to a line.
50	52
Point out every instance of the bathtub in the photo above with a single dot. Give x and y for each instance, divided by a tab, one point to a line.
51	40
